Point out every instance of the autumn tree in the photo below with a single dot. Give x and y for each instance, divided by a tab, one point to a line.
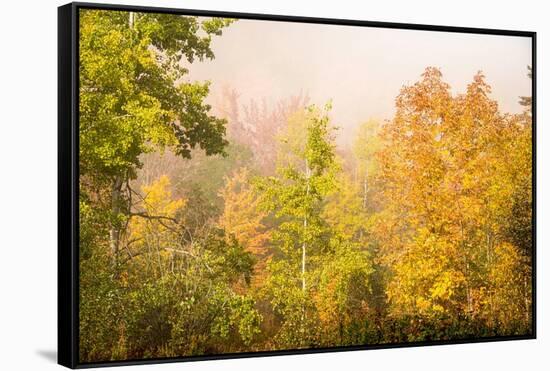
133	98
343	297
447	194
411	171
257	124
295	197
172	281
243	219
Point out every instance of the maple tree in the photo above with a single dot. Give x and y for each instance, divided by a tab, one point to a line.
447	190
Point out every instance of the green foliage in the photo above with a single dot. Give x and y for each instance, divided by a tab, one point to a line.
132	98
101	297
298	192
319	279
210	171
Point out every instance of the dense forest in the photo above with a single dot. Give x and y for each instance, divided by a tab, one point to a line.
243	226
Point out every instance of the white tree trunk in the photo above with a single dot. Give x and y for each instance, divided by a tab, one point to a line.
304	244
365	189
114	232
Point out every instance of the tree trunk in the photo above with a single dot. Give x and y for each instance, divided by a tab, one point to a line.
468	289
489	265
365	189
304	248
526	301
467	268
304	243
114	232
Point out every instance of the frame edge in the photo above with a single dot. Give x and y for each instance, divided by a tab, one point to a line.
67	299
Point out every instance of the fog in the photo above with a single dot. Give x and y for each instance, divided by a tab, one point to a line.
360	69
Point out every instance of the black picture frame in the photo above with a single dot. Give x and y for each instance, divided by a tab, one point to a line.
68	177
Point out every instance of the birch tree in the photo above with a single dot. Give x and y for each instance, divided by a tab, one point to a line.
367	142
295	196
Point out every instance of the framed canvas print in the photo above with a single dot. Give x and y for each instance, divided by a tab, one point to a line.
235	185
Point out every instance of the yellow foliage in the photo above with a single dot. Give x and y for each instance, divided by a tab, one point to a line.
242	218
150	230
158	198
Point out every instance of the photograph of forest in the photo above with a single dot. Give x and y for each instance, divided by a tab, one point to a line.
250	185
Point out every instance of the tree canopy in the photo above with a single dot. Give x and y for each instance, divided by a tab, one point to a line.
248	227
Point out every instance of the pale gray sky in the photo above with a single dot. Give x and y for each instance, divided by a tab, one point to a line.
361	69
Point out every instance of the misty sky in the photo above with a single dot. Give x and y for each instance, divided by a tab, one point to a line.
361	69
